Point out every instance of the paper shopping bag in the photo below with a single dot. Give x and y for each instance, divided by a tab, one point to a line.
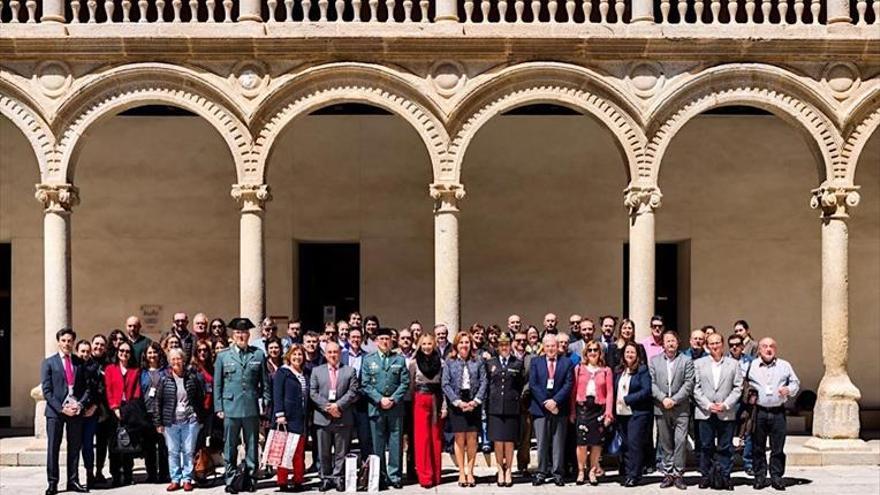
351	473
374	474
290	447
273	452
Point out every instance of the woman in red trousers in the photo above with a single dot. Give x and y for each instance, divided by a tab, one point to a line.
290	392
429	410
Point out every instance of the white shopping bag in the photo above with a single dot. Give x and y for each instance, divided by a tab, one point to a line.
351	473
290	447
374	474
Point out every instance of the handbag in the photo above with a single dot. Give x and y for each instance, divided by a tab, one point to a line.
280	448
616	442
124	443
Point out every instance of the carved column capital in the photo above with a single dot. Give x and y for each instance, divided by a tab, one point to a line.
642	199
57	198
835	201
446	196
251	197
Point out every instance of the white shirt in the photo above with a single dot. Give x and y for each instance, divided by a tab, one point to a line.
591	385
716	371
465	378
622	390
670	366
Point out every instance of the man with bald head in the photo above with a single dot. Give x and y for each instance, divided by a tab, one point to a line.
514	324
139	343
179	329
775	382
550	321
550	381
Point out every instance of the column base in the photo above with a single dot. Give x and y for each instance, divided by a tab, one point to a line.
836	419
39	412
837	444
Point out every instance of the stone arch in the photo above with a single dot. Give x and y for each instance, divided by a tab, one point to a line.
17	107
135	85
577	88
863	122
330	84
769	88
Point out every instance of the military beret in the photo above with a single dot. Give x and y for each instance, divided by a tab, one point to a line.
243	324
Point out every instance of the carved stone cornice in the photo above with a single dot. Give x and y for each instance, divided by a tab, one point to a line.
446	196
251	197
835	201
642	199
57	198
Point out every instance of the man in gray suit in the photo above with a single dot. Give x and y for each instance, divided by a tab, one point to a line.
717	392
334	389
672	384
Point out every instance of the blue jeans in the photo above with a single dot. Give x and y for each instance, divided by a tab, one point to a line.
713	429
181	442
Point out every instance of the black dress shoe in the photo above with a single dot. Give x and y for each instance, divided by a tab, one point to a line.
51	490
76	487
704	483
778	484
630	483
397	485
679	483
667	482
538	480
325	486
340	486
231	489
760	484
558	481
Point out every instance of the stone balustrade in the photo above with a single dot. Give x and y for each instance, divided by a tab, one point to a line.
666	13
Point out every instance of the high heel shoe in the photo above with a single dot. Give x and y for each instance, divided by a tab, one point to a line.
593	480
580	479
471	482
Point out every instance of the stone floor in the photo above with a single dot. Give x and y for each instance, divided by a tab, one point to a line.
837	480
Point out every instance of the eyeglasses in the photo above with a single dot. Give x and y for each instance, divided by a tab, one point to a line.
592	350
656	325
216	326
736	344
124	351
180	321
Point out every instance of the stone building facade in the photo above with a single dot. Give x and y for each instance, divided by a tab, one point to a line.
447	72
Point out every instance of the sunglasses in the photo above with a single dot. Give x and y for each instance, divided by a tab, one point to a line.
203	350
123	351
592	350
180	321
216	326
656	325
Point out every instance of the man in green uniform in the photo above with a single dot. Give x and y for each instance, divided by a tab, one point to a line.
384	381
241	391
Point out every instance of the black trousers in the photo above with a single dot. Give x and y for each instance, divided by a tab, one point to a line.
55	431
769	424
121	465
155	456
633	430
408	430
105	432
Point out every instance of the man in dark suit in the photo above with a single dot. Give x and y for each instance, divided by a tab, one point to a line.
65	388
550	378
353	357
333	389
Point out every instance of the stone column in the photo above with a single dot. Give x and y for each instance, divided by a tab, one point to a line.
57	201
641	200
642	12
447	289
447	11
53	11
838	12
836	415
252	199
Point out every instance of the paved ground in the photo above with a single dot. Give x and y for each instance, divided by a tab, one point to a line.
830	480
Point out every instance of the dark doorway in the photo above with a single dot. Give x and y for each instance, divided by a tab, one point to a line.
666	284
329	282
5	333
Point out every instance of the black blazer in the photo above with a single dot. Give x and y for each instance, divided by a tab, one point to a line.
639	398
54	384
505	385
613	356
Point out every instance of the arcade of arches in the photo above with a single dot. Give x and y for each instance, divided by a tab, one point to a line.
548	182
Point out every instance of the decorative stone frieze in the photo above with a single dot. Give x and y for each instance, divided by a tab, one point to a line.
57	198
641	199
835	201
251	197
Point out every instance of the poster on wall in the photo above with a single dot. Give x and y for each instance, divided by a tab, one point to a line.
151	319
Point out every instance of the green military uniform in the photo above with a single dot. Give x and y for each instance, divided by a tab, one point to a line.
240	382
386	376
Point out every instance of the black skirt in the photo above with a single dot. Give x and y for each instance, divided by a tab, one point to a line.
504	427
590	429
462	422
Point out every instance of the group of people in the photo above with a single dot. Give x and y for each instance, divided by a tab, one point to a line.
182	401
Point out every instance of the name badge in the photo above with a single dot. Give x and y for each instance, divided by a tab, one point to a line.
152	392
550	383
331	396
